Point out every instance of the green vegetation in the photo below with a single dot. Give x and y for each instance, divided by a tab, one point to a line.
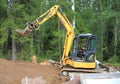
99	17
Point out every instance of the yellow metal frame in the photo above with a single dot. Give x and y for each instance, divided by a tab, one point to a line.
80	64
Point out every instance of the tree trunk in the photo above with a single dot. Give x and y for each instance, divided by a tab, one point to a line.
116	28
13	50
101	22
59	43
38	34
73	8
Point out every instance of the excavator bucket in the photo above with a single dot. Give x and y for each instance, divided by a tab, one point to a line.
25	32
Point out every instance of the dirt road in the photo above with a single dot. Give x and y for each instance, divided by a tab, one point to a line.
12	72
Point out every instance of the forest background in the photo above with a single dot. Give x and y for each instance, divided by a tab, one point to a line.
99	17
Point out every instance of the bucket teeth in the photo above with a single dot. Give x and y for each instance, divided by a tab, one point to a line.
24	32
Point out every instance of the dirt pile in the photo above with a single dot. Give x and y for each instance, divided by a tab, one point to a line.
13	72
113	68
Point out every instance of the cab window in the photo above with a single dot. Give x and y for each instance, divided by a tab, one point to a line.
91	44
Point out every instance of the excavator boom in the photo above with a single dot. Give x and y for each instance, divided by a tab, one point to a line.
64	21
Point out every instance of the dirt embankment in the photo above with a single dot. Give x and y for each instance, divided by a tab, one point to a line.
21	72
13	72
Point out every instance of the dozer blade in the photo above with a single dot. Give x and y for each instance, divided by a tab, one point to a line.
24	32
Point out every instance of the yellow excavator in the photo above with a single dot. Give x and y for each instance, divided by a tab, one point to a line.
79	52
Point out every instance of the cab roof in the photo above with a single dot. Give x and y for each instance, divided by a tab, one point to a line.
84	35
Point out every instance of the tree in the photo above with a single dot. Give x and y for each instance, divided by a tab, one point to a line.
99	17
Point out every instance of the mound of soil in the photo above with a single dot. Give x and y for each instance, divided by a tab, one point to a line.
13	72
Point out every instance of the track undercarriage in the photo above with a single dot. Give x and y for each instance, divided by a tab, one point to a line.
100	68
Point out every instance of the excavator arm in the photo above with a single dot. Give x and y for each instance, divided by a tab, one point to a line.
54	11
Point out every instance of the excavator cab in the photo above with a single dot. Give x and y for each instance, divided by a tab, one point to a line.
84	48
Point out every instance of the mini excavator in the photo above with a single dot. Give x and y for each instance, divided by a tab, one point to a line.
79	52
